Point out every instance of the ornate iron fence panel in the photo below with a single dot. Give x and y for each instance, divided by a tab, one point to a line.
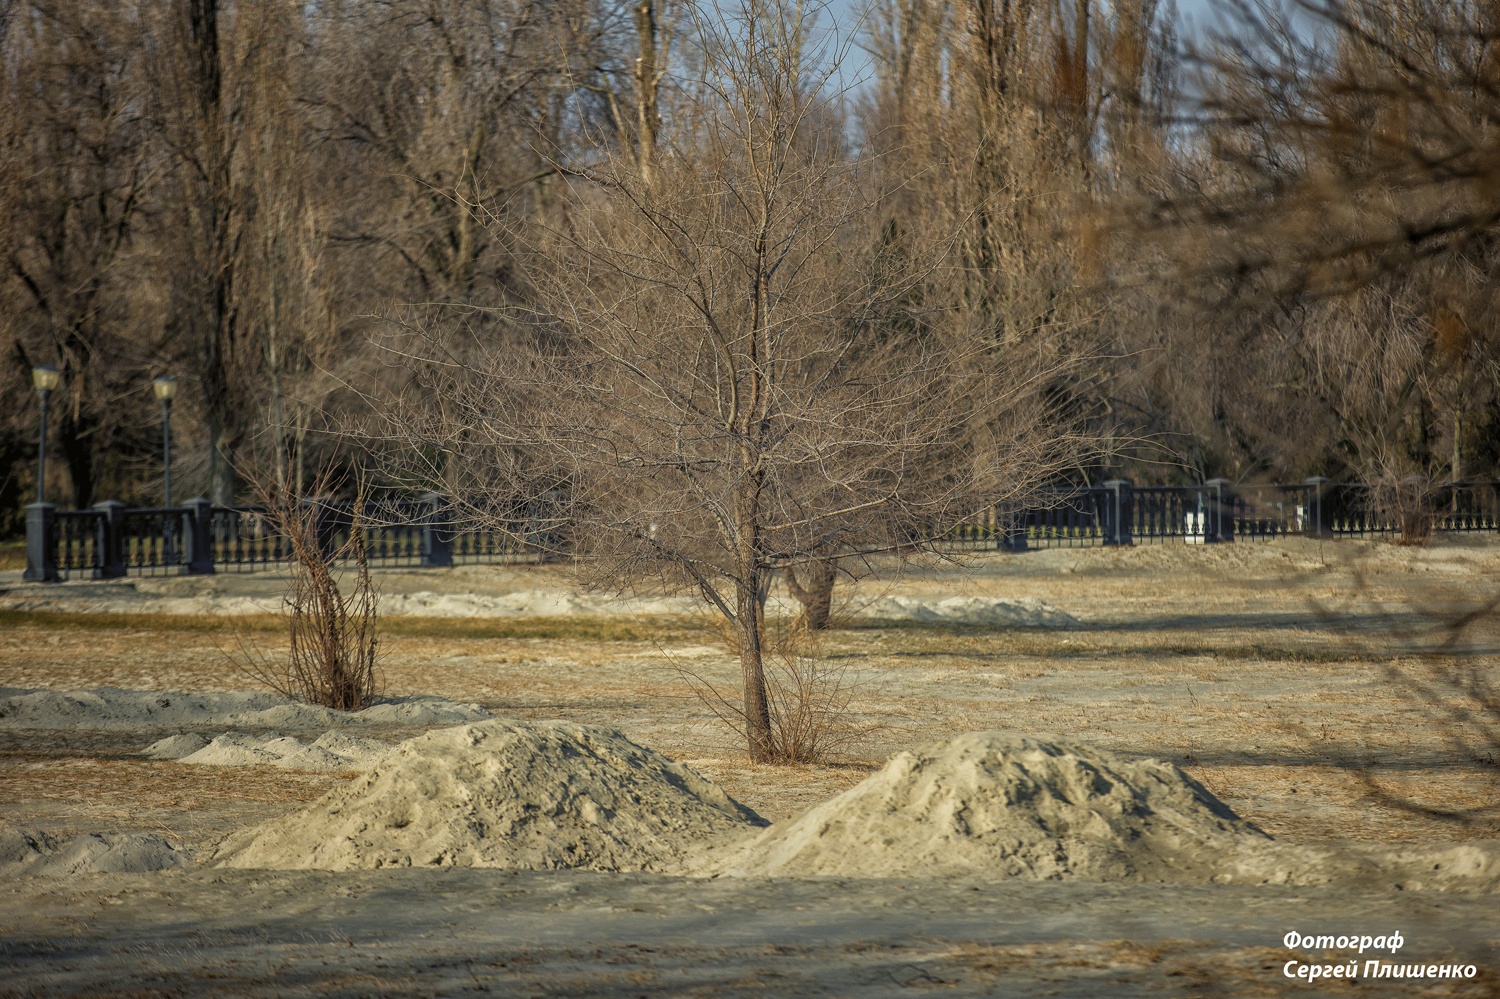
153	542
78	541
245	539
1065	518
1469	506
1265	512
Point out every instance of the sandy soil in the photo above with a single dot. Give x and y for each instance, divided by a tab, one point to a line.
1286	677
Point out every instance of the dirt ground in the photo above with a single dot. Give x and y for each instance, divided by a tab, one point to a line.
1301	682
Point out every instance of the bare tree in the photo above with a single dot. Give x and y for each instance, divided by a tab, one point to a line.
443	108
1015	125
739	369
200	103
76	175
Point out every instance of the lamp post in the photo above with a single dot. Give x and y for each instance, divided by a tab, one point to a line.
165	389
45	378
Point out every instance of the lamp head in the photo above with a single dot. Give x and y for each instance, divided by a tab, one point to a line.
45	378
165	388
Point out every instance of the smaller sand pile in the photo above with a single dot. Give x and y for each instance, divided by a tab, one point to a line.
24	846
35	852
333	750
531	796
996	805
116	853
113	708
994	612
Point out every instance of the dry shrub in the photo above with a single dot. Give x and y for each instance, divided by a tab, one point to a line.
811	699
812	714
1409	502
332	656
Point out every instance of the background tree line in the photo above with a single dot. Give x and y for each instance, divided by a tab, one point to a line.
1266	259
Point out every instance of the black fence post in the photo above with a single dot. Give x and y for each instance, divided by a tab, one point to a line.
437	531
1013	533
1313	523
1220	510
111	540
1118	511
200	539
41	544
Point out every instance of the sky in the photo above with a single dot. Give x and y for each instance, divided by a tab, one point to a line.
1194	18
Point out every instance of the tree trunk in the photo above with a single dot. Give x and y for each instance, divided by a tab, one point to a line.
814	591
751	582
217	257
750	608
222	480
76	444
647	82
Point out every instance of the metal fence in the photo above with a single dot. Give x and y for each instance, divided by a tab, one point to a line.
1121	513
199	538
112	540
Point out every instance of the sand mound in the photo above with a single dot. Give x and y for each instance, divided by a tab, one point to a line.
142	597
989	611
97	598
1472	866
116	853
113	708
109	853
24	846
529	603
331	751
495	794
996	805
175	747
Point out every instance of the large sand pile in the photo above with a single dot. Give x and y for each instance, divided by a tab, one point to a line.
997	805
495	794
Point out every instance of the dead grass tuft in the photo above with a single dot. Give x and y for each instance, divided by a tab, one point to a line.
810	696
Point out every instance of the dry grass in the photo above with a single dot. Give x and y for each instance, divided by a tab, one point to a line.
12	554
1291	779
1232	678
644	629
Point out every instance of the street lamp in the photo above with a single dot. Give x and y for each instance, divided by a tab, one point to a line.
45	378
165	389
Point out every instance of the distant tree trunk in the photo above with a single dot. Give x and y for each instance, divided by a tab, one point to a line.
218	255
647	85
814	591
76	445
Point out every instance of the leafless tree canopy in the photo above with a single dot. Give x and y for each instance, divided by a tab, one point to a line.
1334	218
735	359
232	192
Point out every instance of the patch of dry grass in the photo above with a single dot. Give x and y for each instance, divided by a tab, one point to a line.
12	554
665	628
